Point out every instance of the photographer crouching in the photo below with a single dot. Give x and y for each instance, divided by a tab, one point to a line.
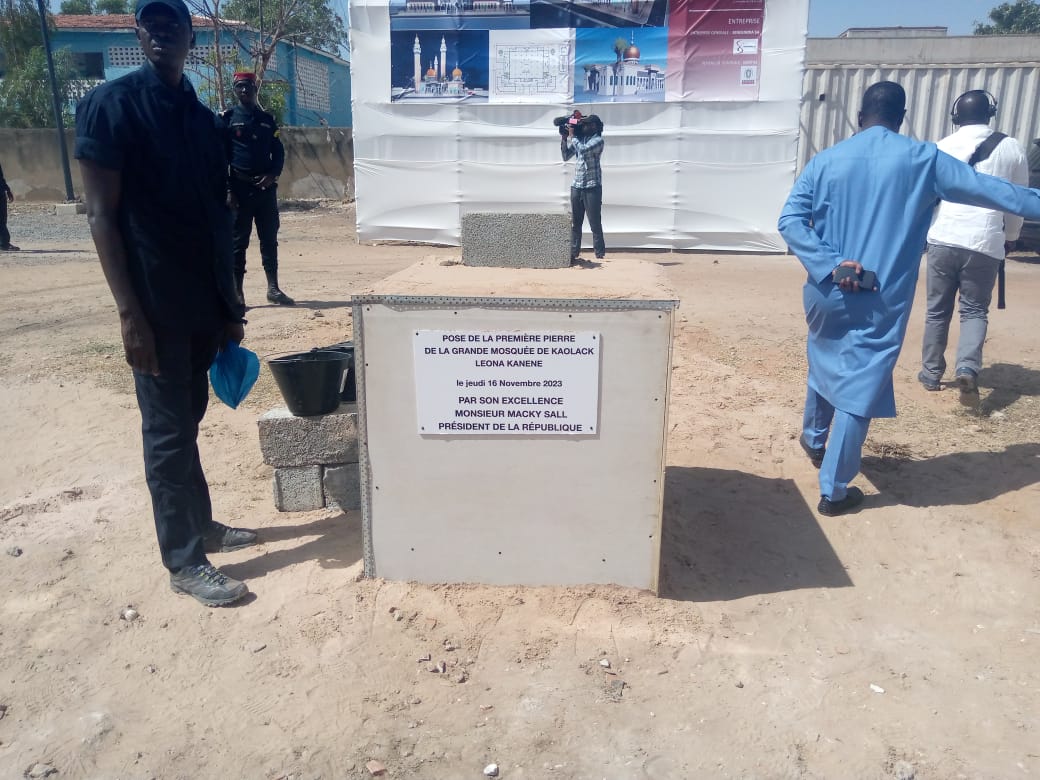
582	137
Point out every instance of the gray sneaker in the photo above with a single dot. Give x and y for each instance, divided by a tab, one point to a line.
206	584
221	538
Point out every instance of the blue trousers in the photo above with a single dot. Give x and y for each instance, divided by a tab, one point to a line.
172	406
842	434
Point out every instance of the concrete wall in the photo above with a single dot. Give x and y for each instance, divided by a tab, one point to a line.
319	163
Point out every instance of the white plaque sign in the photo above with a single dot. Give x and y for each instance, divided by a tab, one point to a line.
516	383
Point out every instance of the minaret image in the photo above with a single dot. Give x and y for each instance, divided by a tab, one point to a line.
416	52
435	68
444	57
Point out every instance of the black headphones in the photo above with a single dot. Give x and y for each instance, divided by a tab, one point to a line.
991	109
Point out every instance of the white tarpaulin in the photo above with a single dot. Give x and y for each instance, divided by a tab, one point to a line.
677	173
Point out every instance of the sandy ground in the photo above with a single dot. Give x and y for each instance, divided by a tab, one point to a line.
898	641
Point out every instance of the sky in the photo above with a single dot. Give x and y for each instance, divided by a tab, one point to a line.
828	18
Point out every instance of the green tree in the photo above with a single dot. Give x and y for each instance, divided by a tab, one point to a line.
1020	17
215	74
310	22
25	92
81	7
114	6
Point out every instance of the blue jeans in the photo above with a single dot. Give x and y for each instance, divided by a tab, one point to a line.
952	270
587	200
842	434
172	406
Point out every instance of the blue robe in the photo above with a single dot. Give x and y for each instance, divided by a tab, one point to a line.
870	198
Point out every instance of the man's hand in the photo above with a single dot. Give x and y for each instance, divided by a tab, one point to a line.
139	344
232	201
1010	246
267	181
849	283
233	331
10	197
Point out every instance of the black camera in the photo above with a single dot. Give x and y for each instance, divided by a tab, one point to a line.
584	126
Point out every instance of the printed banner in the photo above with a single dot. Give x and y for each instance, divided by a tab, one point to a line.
714	49
584	51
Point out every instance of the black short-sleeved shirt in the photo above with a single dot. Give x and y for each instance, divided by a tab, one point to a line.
255	146
176	226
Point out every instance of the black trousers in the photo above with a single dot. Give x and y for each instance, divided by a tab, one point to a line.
260	206
587	201
5	236
172	406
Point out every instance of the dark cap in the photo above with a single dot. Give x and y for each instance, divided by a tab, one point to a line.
177	6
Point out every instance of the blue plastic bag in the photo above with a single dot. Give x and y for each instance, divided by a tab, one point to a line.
233	373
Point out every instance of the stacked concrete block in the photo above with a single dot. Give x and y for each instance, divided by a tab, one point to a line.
315	459
509	240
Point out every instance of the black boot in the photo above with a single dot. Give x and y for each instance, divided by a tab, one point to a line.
274	294
238	288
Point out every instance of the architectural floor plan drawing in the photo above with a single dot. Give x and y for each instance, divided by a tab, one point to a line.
531	66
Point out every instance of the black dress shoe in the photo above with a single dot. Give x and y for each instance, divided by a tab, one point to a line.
221	538
815	453
853	498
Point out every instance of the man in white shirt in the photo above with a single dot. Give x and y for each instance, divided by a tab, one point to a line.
966	246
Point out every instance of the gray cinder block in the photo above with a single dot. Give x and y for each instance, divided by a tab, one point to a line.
516	240
343	486
286	440
69	209
298	489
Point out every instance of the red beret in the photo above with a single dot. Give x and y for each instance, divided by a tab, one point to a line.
244	76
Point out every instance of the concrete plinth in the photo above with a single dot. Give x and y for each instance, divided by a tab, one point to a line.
509	240
327	439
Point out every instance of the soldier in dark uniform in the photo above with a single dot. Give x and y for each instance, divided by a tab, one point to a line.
6	196
257	156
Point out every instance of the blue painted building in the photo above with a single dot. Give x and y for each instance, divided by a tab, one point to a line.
317	84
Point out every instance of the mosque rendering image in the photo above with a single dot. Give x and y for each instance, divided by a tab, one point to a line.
436	82
624	79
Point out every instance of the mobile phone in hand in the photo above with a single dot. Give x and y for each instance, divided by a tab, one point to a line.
867	279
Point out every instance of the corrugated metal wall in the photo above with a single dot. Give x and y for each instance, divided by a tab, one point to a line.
832	94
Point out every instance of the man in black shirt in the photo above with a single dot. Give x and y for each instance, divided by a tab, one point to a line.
155	177
6	196
257	157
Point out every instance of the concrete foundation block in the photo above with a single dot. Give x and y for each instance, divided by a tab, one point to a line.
69	209
298	489
508	240
343	486
287	441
